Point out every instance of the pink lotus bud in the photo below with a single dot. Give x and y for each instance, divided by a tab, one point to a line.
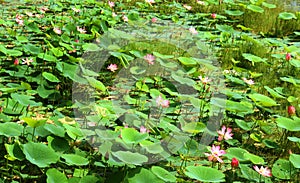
16	62
234	163
288	57
213	15
291	110
153	20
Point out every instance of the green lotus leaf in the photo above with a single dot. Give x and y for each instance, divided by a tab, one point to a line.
255	8
205	174
74	159
287	16
163	174
55	176
40	154
295	160
132	136
10	129
130	157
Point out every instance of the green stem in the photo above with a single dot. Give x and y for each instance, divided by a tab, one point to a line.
33	133
259	178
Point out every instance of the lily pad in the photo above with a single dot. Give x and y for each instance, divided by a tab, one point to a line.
253	58
273	92
131	136
143	176
238	153
163	174
32	49
34	122
10	129
255	8
74	159
187	61
194	127
268	5
234	12
50	77
24	100
40	154
282	169
130	157
289	124
295	63
254	158
295	160
154	148
287	16
262	100
54	176
14	151
204	174
96	83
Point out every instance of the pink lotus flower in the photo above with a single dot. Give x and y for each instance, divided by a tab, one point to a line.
248	81
150	1
215	154
213	15
76	10
187	7
113	14
150	59
39	15
204	80
111	4
30	14
224	133
81	30
27	61
193	30
19	19
264	171
201	2
44	9
291	110
112	67
288	57
72	51
144	130
125	18
161	102
153	20
57	30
